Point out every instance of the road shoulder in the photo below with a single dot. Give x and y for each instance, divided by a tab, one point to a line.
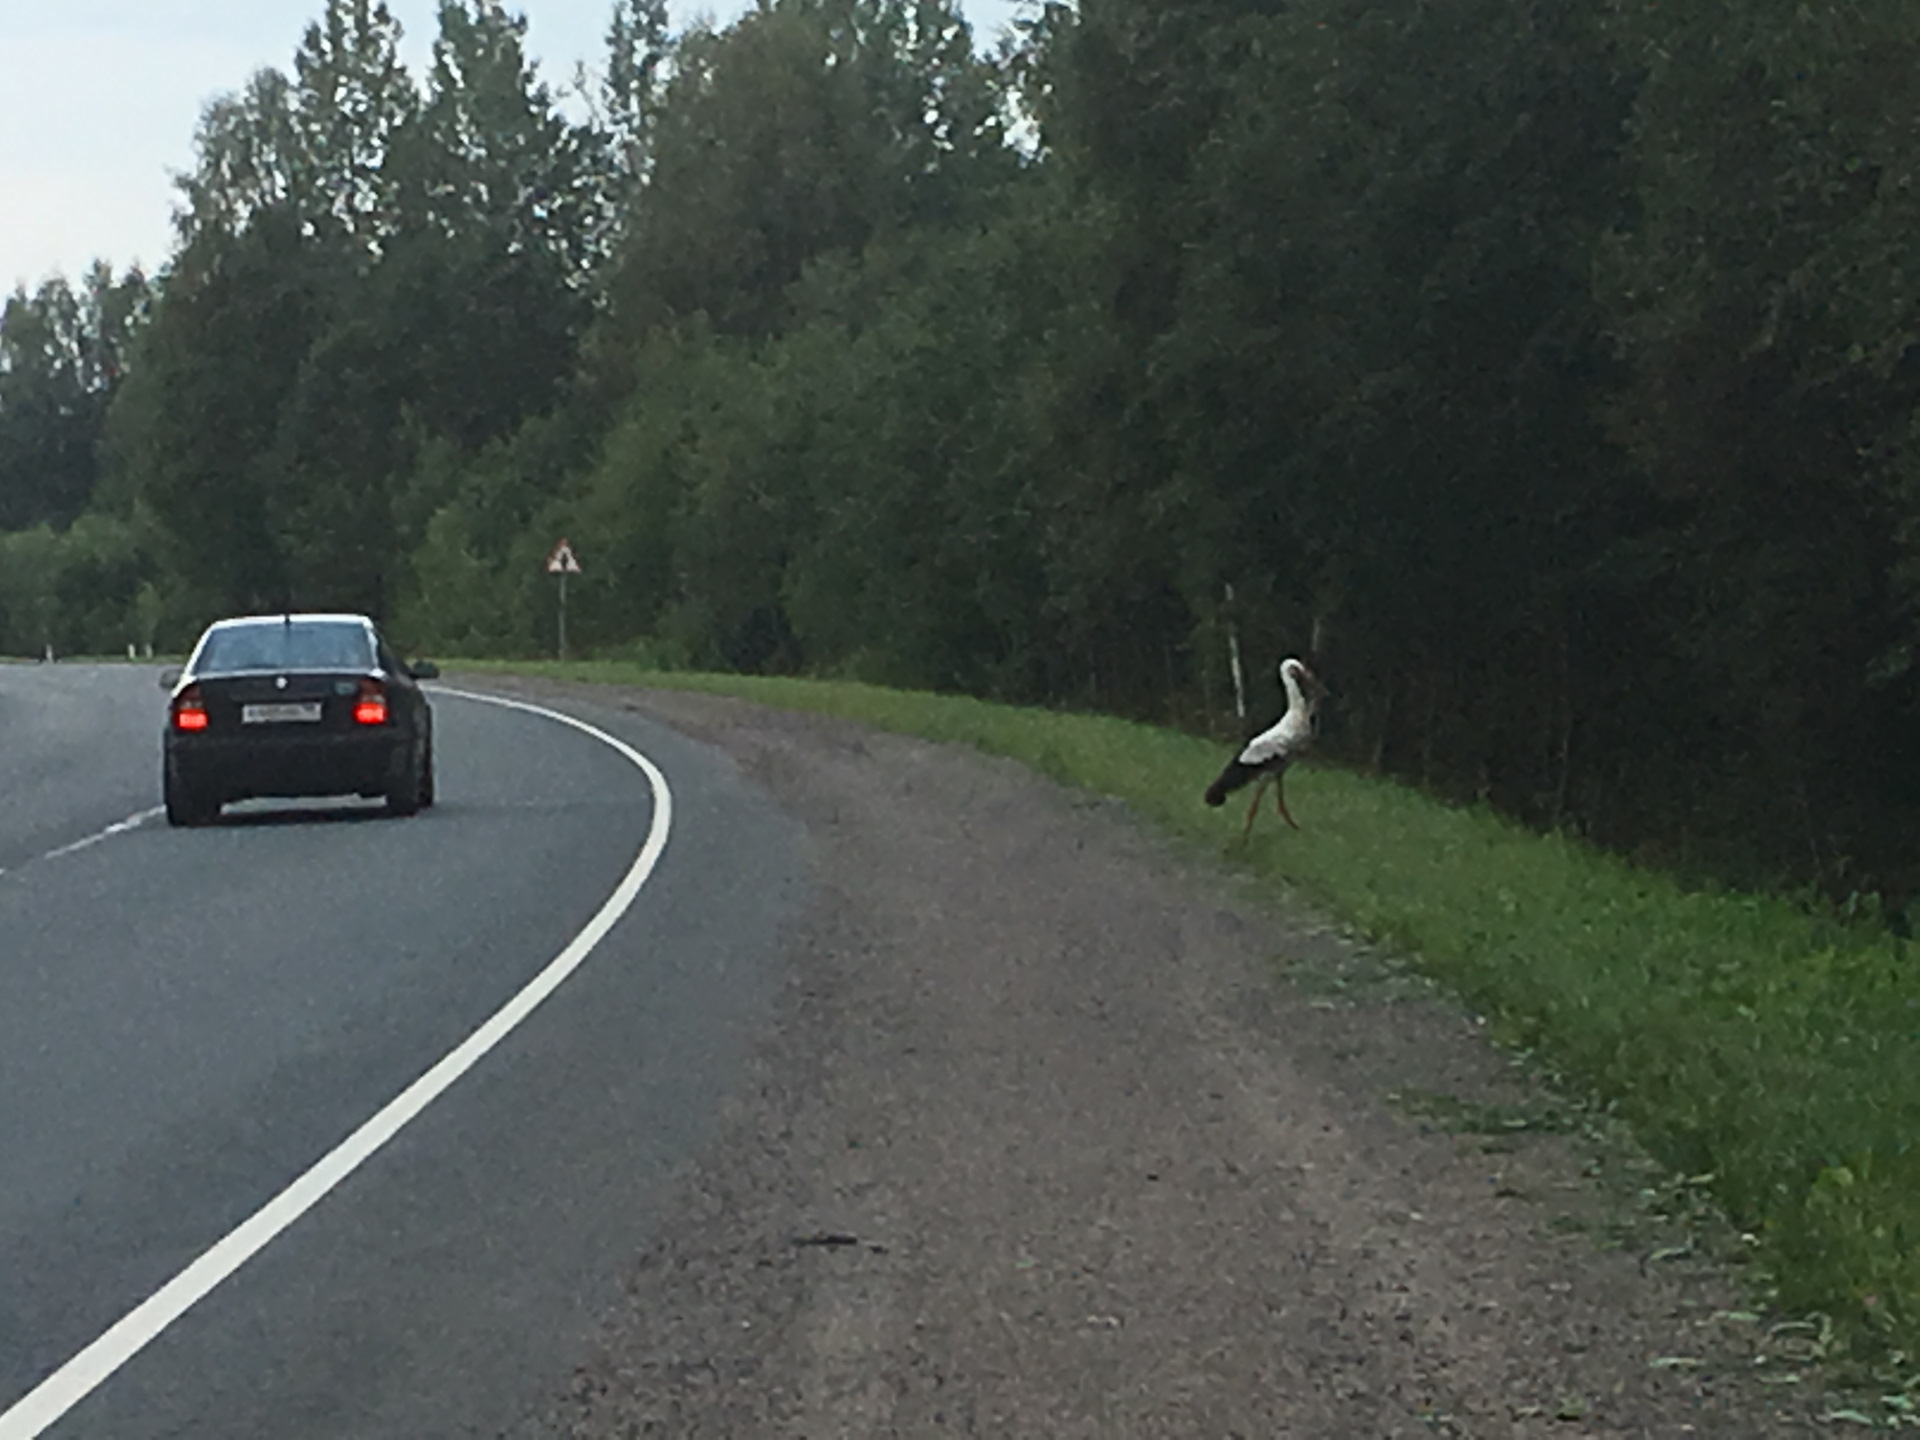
1062	1131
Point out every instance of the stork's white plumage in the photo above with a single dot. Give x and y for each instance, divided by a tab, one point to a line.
1268	754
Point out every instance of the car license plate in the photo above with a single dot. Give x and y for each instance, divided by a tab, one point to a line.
279	714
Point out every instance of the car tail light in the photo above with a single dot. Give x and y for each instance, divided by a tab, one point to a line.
371	707
189	710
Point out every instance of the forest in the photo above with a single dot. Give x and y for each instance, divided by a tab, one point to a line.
1549	373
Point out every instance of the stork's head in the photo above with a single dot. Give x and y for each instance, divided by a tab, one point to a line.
1296	672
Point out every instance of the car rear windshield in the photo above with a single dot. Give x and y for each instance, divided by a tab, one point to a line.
279	645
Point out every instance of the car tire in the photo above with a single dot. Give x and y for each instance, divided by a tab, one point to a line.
426	778
403	794
185	805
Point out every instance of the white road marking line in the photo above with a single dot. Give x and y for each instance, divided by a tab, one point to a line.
80	1376
132	822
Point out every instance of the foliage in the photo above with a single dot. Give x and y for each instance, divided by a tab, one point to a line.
63	353
84	590
1761	300
364	269
808	127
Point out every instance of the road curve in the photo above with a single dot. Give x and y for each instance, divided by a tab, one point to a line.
188	1020
1037	1125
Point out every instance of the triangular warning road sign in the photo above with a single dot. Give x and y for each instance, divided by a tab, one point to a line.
562	561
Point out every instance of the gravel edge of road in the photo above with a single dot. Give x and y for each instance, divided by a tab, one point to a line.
1337	1210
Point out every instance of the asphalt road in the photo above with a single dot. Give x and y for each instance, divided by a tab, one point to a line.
190	1019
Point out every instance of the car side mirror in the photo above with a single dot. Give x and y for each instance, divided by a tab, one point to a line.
170	677
423	669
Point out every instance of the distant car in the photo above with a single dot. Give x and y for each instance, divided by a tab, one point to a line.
296	705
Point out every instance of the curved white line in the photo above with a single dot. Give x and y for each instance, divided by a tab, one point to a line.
85	1372
132	822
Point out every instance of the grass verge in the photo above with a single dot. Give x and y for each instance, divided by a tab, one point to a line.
1769	1054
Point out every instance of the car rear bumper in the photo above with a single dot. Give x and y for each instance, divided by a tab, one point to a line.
239	767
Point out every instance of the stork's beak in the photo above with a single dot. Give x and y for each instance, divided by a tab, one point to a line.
1317	686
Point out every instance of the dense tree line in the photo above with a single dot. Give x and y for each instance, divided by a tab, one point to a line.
1549	371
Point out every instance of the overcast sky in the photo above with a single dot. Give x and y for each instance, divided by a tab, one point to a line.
99	98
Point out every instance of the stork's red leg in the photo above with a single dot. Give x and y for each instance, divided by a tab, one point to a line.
1254	808
1280	800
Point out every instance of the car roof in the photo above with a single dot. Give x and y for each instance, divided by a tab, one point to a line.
290	618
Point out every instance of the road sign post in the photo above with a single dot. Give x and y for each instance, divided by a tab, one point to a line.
563	562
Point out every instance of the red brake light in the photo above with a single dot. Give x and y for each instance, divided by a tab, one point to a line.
189	710
371	708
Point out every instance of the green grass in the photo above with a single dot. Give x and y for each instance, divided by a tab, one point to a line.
1772	1053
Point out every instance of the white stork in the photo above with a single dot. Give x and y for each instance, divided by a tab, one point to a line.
1270	752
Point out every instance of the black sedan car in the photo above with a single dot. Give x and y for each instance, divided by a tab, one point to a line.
296	705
